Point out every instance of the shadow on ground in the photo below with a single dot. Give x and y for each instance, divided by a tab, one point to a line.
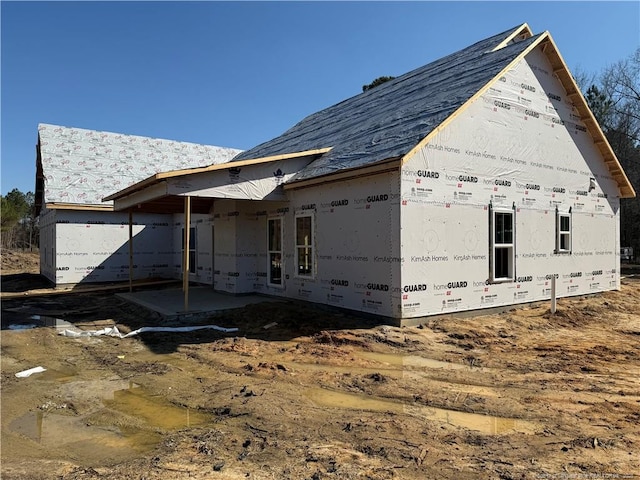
284	320
22	282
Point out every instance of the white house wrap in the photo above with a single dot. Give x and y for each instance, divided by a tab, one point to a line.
465	184
81	239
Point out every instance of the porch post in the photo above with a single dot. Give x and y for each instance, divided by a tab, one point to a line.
186	253
130	251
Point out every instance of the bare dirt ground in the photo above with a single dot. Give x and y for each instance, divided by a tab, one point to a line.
321	395
17	261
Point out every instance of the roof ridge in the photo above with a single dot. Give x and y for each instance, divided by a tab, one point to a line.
129	135
506	34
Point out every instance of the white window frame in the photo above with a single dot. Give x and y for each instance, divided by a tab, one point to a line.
193	252
509	246
566	233
271	251
307	244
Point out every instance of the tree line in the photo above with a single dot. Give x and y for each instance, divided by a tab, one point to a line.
19	224
614	99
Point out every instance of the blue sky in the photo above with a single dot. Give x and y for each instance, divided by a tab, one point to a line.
236	74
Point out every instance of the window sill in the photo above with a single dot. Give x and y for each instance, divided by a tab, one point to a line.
305	277
500	280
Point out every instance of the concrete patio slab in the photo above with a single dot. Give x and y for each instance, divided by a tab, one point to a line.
203	301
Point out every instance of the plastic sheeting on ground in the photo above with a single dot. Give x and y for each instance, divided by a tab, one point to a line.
114	332
31	371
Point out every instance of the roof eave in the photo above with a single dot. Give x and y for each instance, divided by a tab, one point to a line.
78	206
375	168
152	180
561	71
147	182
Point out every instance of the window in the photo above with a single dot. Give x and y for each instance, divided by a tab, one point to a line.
304	246
563	232
192	248
502	250
274	254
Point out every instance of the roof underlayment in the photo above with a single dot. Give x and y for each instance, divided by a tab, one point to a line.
81	166
390	119
387	122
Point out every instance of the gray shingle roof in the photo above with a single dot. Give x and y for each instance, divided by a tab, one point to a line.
390	119
83	166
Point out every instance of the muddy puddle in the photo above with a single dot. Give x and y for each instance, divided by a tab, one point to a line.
154	411
131	422
60	374
486	424
392	365
398	360
72	438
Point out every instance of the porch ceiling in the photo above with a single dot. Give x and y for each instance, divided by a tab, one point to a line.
172	204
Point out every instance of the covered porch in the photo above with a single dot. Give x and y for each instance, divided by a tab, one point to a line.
196	192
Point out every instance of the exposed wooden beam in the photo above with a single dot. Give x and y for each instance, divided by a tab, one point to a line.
186	256
147	182
173	204
521	33
78	206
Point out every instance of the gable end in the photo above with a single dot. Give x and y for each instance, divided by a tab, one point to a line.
549	49
561	71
